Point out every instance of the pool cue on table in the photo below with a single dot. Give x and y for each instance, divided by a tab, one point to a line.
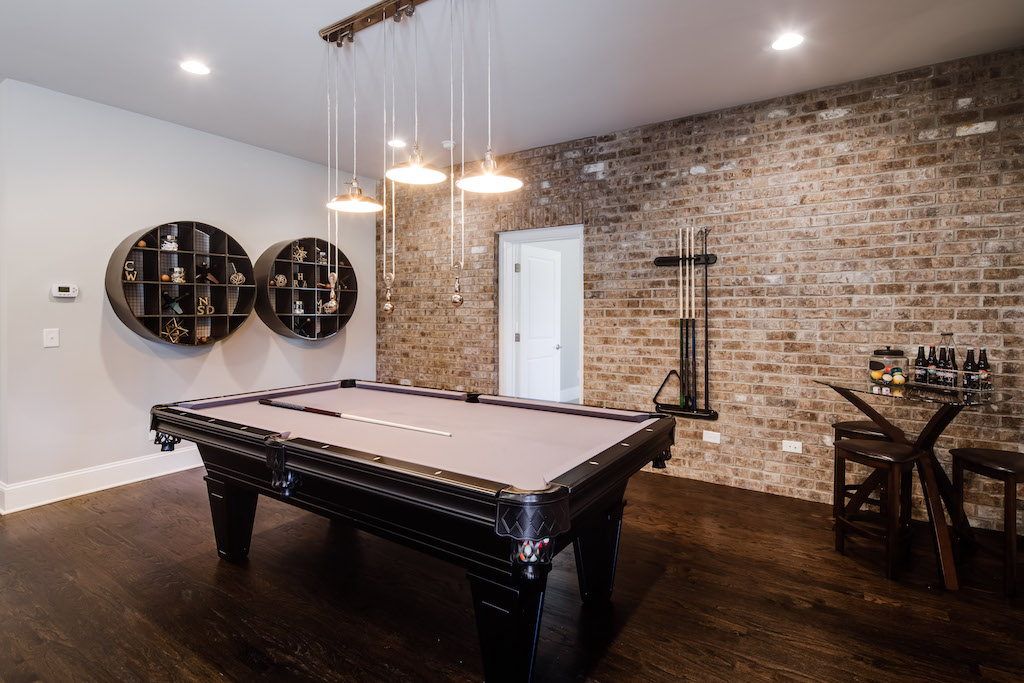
348	416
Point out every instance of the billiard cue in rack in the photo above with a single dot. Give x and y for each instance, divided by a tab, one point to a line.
349	416
684	331
686	262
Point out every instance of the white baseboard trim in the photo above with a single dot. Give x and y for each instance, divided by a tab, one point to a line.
36	492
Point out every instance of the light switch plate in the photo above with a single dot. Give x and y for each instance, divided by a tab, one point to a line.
793	446
51	337
712	437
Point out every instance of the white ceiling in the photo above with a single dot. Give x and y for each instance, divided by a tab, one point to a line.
563	69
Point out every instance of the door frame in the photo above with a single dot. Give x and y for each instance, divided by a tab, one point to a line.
508	303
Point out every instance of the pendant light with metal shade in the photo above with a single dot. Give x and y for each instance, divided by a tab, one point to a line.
354	201
489	180
416	171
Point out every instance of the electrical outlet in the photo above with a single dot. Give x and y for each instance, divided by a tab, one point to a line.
51	337
712	437
793	446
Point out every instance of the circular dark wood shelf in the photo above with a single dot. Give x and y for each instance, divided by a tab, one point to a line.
211	307
306	283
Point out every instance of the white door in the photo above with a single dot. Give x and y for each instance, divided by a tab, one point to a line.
540	296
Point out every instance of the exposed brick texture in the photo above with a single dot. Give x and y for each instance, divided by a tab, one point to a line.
870	213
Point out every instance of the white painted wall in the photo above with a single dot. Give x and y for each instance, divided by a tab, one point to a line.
76	178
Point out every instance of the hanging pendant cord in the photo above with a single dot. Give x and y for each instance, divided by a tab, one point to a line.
489	4
462	131
416	82
355	147
328	88
384	182
452	133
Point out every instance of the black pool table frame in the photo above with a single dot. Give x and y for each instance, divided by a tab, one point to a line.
504	537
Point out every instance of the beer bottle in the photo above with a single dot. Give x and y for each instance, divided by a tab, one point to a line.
970	371
920	367
953	368
933	377
984	370
942	368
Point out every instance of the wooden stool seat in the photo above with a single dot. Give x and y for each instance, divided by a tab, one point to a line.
863	450
1007	467
1007	462
893	463
858	429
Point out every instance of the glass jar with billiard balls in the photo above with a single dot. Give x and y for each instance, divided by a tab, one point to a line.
888	366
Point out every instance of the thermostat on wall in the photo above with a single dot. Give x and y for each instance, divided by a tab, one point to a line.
64	291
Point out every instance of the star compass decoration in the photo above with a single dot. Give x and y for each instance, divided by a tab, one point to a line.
298	253
173	331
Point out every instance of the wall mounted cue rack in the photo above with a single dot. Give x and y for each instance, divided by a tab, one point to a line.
184	283
688	405
293	285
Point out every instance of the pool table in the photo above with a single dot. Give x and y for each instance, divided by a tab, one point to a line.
497	485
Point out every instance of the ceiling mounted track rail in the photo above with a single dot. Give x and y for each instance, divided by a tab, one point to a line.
347	28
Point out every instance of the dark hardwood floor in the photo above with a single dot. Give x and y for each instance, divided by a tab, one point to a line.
713	583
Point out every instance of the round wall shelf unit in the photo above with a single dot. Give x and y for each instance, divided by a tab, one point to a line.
184	283
293	286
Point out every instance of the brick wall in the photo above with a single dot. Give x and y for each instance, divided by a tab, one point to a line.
876	212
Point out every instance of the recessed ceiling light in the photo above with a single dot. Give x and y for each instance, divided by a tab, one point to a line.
396	143
194	67
787	41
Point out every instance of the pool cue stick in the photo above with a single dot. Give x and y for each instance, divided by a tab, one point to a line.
348	416
693	312
684	331
707	367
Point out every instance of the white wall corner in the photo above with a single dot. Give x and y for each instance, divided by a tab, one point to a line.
44	490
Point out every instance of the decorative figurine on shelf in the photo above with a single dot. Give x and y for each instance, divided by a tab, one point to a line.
300	327
320	306
173	331
170	303
236	278
203	273
321	256
331	305
457	296
300	281
204	307
169	243
129	271
389	307
298	308
178	275
281	280
298	253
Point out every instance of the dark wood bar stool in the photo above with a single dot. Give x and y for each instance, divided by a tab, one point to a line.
858	429
892	463
1007	467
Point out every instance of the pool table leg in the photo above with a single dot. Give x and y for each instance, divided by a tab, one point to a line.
234	509
597	549
508	621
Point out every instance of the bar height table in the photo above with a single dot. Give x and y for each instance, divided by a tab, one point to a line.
935	484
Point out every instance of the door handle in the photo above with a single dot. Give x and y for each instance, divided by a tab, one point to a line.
558	347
